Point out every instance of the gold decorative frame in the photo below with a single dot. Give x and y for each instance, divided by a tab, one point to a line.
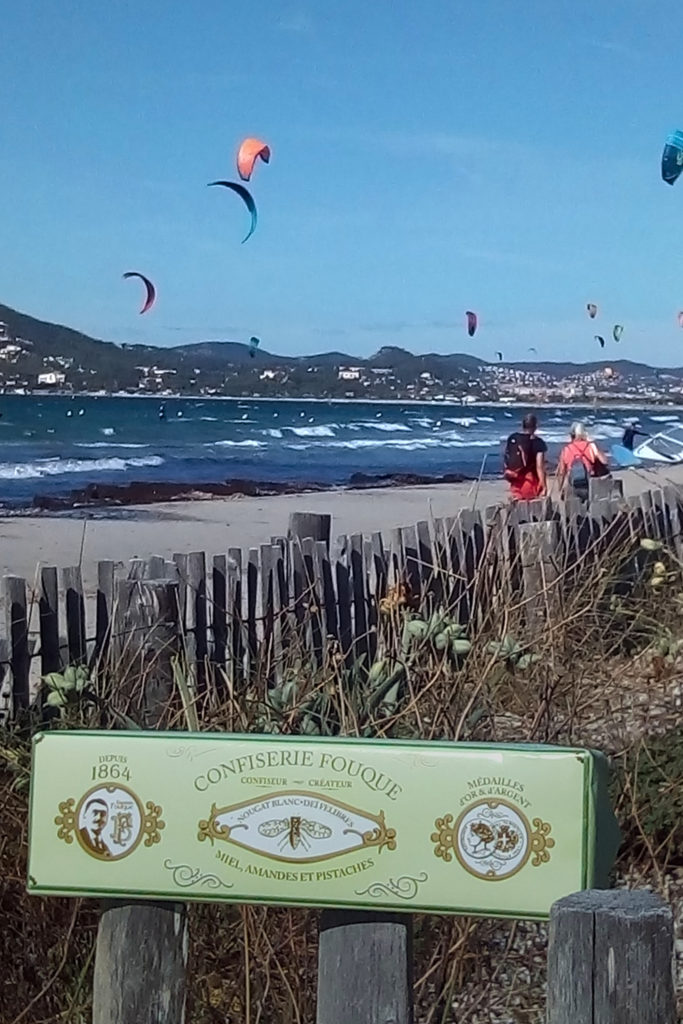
150	827
377	838
539	841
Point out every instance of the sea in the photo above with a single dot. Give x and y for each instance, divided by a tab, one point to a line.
52	445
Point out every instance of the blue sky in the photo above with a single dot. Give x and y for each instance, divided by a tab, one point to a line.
427	159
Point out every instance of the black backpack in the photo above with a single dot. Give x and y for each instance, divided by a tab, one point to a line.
518	456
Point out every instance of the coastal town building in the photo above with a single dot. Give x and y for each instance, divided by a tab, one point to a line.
51	379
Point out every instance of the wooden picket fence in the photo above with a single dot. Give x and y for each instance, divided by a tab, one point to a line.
241	611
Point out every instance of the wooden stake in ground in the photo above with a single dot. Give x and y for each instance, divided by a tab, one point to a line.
364	968
610	959
141	955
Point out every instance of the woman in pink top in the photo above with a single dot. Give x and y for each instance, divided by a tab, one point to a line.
579	460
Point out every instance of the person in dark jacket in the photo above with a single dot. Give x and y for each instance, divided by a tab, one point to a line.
631	433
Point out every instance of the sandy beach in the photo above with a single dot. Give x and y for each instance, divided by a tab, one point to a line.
214	525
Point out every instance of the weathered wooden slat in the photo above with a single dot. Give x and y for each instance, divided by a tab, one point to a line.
298	582
344	598
364	968
493	590
609	959
379	559
6	709
50	656
267	657
278	610
235	638
660	515
469	543
319	553
536	511
156	568
424	554
16	619
360	609
196	615
412	567
649	523
171	572
311	601
284	545
74	604
538	550
306	526
181	563
604	488
252	610
105	606
310	525
371	599
137	569
219	625
397	561
673	510
329	595
571	524
602	513
440	579
285	613
457	581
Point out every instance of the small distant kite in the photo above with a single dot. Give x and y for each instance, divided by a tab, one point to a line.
246	197
617	332
600	340
680	318
672	158
253	345
151	290
532	349
472	322
247	155
592	310
500	356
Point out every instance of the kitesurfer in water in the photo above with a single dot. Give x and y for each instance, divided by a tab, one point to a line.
631	433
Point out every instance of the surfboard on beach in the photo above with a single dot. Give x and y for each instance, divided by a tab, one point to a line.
624	457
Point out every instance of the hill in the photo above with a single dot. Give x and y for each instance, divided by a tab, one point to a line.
29	347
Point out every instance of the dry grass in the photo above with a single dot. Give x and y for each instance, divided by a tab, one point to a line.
603	669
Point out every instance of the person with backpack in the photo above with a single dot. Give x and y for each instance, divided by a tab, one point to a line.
579	460
524	462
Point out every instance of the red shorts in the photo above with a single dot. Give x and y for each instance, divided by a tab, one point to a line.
525	489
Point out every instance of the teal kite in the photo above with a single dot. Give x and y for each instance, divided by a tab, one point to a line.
246	197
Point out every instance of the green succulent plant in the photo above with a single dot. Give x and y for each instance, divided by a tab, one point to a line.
65	688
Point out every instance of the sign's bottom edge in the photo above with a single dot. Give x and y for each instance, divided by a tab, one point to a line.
94	894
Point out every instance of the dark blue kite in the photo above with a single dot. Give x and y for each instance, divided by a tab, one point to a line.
672	157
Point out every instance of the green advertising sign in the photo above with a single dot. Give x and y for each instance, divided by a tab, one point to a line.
405	825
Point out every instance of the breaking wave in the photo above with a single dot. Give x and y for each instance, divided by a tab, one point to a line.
60	467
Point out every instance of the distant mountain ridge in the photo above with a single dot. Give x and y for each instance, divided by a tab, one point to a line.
116	363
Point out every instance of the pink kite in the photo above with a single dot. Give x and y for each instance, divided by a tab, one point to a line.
247	155
151	290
